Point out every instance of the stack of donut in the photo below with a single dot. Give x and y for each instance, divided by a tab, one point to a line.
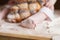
23	9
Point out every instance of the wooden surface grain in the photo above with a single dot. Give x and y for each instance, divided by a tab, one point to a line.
25	36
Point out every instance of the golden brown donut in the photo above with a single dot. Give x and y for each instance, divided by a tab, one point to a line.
25	14
32	1
23	10
14	8
13	15
34	7
23	6
14	18
18	17
20	1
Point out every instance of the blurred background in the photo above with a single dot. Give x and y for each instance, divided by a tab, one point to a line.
57	8
57	5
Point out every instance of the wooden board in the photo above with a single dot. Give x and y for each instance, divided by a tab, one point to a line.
26	36
22	33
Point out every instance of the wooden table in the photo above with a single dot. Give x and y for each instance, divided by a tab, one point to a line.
21	34
24	36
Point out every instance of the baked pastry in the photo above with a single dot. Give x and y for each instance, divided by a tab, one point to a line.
13	15
18	17
22	10
32	1
14	9
14	18
23	6
20	1
25	14
34	7
11	18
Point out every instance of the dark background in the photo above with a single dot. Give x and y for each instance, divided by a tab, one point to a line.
57	5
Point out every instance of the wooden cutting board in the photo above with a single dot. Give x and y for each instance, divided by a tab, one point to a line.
12	30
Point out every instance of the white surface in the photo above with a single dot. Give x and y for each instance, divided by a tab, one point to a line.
56	37
48	12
